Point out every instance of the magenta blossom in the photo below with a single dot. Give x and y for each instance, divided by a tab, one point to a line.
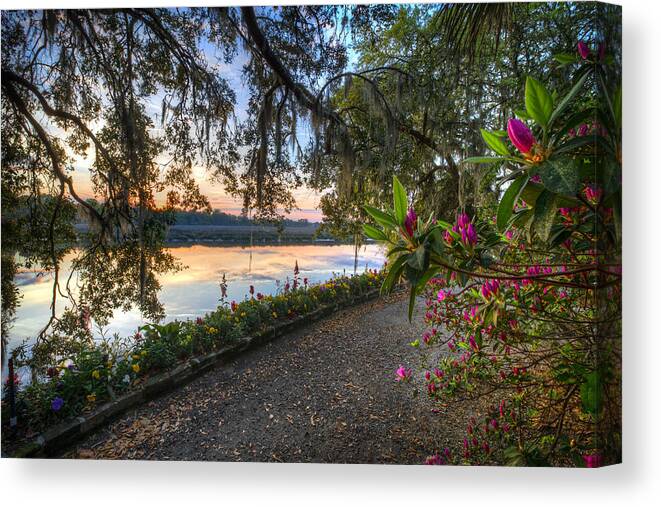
403	373
593	194
442	294
583	50
436	459
410	222
468	235
593	460
520	135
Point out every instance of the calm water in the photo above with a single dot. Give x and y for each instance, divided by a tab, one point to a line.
194	290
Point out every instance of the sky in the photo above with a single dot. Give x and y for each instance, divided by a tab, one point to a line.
307	200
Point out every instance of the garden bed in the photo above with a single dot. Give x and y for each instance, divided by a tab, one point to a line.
151	382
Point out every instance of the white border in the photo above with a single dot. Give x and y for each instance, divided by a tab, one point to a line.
636	482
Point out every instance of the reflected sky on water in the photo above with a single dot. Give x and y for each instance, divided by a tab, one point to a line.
194	290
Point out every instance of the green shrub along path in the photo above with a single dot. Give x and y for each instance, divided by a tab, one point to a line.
324	393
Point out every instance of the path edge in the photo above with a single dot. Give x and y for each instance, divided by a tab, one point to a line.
72	430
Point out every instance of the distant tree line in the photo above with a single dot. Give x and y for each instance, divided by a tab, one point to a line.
218	217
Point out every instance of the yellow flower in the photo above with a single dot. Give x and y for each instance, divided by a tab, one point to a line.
135	357
212	330
136	368
91	398
109	365
96	374
143	353
243	314
275	315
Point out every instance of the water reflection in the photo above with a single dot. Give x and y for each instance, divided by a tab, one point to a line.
194	290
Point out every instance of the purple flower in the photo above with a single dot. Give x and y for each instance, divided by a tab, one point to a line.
442	295
56	404
520	135
583	50
536	179
410	222
473	343
583	130
463	220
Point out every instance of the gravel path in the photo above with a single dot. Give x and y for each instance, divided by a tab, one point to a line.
323	394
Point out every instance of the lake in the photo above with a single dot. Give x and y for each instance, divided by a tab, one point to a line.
194	290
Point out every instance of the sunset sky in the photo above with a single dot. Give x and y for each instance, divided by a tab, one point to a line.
306	199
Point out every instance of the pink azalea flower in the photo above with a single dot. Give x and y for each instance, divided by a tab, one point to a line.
592	194
403	373
520	135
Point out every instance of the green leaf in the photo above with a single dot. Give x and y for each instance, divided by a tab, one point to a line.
393	274
508	201
565	58
539	103
574	143
383	219
545	207
400	201
494	142
431	272
412	302
374	233
560	176
568	98
617	107
514	457
591	394
522	115
483	160
419	259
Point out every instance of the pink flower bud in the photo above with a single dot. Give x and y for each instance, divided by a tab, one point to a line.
583	50
520	135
